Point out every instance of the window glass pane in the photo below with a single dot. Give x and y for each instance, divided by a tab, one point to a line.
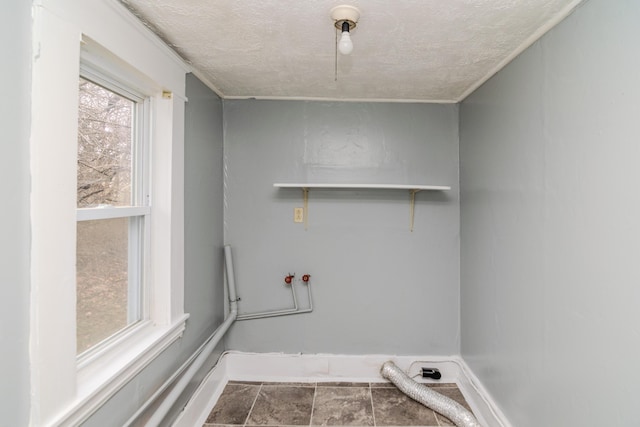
104	147
104	305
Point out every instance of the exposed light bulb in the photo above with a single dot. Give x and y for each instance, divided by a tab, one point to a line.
345	45
345	19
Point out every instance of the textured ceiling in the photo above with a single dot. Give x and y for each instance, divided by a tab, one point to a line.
404	50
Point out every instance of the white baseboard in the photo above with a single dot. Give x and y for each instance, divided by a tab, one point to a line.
326	367
205	396
471	386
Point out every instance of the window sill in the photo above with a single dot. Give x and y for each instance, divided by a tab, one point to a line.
99	379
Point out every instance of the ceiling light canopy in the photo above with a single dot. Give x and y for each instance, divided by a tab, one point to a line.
345	19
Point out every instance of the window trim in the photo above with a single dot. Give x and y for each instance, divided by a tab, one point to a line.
117	359
97	384
63	391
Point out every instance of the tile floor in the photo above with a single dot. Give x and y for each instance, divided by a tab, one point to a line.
324	404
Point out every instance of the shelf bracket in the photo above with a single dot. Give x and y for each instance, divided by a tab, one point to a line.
305	207
412	207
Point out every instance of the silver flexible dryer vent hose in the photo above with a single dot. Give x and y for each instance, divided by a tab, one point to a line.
428	397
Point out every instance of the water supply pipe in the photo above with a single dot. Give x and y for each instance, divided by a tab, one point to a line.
451	409
285	312
164	408
272	313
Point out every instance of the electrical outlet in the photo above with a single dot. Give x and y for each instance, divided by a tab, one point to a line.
298	214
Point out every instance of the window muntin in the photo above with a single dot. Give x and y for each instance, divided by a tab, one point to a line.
111	200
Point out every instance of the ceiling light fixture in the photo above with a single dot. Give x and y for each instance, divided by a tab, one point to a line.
345	19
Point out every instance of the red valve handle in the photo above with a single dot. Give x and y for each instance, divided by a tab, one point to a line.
289	279
306	278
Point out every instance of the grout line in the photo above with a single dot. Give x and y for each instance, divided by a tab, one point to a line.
437	418
313	403
373	409
252	405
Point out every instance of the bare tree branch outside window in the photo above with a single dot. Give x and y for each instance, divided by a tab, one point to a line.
104	147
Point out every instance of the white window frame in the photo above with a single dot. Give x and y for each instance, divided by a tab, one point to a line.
66	389
119	82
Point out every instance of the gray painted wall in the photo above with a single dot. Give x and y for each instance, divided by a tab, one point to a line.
204	287
551	225
204	210
15	112
378	288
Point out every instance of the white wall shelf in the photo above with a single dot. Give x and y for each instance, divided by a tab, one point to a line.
413	189
365	186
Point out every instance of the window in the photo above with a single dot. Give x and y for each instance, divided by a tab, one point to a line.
112	202
96	62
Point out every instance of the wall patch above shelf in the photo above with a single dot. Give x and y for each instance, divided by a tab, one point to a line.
413	189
